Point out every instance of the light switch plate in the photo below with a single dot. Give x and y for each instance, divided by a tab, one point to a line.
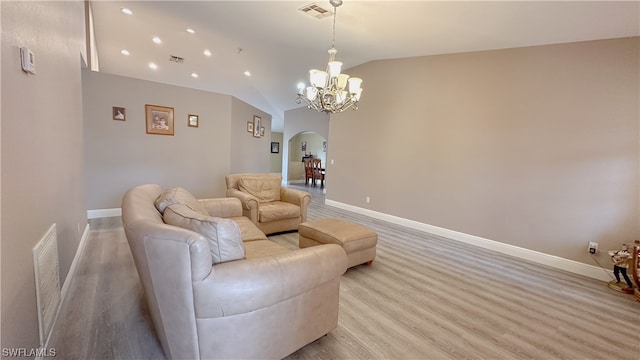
28	60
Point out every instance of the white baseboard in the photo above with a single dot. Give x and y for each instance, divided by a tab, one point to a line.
101	213
519	252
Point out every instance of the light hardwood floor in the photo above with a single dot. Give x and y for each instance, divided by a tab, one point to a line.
424	297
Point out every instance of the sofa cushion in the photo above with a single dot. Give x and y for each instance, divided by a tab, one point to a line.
248	230
179	195
264	248
278	210
265	188
225	242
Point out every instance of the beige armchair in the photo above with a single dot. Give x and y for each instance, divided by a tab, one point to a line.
270	206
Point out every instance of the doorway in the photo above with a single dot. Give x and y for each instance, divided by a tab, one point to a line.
303	145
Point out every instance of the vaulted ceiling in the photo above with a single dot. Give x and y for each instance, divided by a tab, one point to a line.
278	44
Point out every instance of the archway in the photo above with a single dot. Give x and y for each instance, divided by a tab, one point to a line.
301	145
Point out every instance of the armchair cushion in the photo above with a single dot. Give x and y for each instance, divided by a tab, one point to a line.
179	195
278	210
264	188
223	235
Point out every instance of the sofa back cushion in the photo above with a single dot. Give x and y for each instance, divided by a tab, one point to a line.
265	188
225	241
179	195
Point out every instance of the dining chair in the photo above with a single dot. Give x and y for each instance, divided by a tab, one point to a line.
318	172
308	171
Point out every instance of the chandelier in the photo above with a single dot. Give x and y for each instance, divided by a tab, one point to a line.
331	91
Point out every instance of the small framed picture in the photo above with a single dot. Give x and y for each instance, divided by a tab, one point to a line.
256	126
159	119
262	131
193	120
275	147
119	113
249	126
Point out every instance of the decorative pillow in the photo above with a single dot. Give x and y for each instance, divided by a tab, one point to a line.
179	195
265	188
225	242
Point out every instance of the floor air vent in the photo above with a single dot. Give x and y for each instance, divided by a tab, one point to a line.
45	263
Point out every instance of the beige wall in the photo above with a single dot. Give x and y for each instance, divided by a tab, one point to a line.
276	158
297	121
120	154
535	147
313	147
249	153
42	170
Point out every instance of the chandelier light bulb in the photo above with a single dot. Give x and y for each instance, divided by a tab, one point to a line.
334	68
354	85
318	78
342	81
312	93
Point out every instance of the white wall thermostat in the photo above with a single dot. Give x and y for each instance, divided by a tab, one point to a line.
28	60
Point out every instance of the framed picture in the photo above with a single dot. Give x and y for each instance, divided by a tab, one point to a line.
159	119
324	146
261	130
192	120
303	146
249	126
256	126
275	147
119	113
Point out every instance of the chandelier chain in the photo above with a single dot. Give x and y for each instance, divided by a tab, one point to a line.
335	15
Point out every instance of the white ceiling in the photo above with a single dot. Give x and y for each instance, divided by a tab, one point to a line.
280	44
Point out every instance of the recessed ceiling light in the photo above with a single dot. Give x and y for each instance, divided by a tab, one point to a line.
153	66
191	31
156	40
126	11
124	52
207	53
194	75
247	73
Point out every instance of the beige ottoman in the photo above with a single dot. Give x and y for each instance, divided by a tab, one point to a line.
357	241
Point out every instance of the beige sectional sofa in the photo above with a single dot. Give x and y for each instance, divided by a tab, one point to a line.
224	290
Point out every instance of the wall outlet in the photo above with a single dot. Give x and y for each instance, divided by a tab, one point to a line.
367	199
593	247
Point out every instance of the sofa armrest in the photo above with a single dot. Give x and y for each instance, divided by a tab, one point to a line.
294	196
223	207
242	286
249	202
298	197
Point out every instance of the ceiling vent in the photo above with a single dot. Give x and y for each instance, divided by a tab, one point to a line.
316	11
176	59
